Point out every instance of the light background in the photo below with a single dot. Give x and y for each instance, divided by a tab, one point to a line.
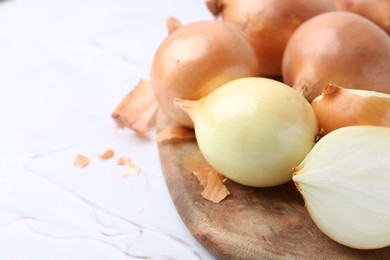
64	66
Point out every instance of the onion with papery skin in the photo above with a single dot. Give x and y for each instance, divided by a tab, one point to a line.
197	58
341	48
268	24
377	11
339	107
345	182
253	130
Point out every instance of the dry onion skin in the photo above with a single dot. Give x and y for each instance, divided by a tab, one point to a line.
197	58
377	11
338	47
137	109
81	161
268	24
108	154
253	130
338	107
212	181
175	131
345	182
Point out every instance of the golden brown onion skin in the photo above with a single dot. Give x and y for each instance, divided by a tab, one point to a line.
340	48
197	58
339	107
377	11
268	24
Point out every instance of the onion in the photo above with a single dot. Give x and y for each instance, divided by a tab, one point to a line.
341	48
197	58
253	130
345	182
377	11
268	24
338	107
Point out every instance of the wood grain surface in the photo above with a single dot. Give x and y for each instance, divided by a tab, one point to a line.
251	223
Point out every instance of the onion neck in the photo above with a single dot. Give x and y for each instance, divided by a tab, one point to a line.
215	7
172	24
330	89
188	106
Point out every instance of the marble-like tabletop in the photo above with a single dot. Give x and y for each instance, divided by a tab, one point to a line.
64	66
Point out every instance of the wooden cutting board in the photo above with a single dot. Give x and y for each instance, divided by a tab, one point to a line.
251	223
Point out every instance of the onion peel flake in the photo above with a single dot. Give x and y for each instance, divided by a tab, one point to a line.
215	190
175	131
132	168
81	161
137	109
108	154
212	181
123	160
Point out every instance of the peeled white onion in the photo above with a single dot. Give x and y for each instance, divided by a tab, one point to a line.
345	182
253	130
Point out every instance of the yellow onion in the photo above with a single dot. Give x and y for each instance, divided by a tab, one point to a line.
268	24
195	59
377	11
345	182
339	107
253	130
339	47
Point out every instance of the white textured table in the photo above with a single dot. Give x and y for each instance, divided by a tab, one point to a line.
64	66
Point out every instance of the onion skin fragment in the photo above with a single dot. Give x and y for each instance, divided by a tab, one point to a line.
195	59
377	11
137	109
338	47
268	24
344	181
339	107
